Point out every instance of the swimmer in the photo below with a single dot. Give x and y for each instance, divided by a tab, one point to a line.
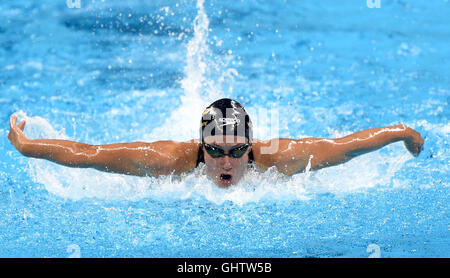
226	147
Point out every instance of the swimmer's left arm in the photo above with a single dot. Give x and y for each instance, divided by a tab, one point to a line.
134	158
293	156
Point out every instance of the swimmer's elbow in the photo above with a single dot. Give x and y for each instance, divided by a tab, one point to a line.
85	156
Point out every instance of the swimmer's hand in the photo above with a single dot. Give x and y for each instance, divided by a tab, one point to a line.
413	141
16	135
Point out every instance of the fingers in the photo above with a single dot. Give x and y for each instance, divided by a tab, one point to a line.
420	144
418	149
22	125
414	148
12	121
16	135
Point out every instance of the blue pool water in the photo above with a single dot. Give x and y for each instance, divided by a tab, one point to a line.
122	71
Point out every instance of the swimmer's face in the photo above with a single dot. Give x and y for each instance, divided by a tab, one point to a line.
226	170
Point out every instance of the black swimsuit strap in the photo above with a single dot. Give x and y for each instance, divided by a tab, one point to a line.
201	156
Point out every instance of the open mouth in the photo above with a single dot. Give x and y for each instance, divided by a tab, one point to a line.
226	179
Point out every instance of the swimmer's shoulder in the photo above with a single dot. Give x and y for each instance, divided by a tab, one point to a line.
183	154
188	151
275	152
261	157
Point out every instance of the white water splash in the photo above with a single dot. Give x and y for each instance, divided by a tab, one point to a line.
206	76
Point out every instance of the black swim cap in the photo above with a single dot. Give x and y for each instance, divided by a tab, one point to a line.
226	117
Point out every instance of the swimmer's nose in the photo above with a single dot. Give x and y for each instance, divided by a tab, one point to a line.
226	163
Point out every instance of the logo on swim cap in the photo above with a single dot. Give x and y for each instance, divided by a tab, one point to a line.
228	121
206	111
225	117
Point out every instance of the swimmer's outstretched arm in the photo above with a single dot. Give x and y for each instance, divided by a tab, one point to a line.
137	158
293	156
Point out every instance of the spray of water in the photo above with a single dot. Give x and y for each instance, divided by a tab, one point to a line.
207	78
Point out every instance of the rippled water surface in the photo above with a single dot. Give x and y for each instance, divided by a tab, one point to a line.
122	71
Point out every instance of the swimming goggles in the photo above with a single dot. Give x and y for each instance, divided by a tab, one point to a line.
235	152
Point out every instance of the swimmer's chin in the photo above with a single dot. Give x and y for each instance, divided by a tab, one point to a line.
224	186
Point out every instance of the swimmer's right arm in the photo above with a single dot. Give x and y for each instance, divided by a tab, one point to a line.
136	158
